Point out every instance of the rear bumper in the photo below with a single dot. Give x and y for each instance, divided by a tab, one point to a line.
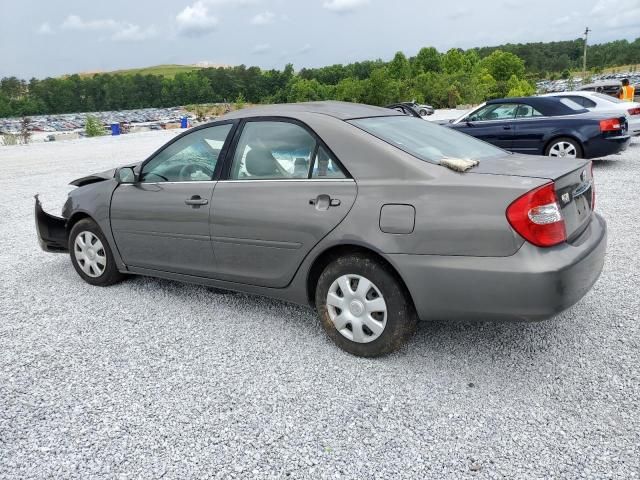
532	284
51	230
603	146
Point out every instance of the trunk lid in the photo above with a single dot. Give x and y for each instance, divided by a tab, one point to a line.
572	178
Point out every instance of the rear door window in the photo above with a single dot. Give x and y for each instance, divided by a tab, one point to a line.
527	111
281	150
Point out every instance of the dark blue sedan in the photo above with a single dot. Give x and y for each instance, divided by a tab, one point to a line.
555	127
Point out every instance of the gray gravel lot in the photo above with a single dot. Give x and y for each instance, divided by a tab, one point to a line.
157	379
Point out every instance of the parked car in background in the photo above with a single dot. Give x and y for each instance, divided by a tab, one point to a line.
423	110
608	87
349	208
555	127
605	104
405	108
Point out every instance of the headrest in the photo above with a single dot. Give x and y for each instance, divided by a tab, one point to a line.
260	163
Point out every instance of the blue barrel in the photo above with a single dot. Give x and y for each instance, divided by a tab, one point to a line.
115	129
184	122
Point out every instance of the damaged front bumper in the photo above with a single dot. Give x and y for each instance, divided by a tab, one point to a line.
52	230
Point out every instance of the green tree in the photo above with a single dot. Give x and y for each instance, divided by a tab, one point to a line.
502	65
453	61
519	88
93	127
399	67
428	59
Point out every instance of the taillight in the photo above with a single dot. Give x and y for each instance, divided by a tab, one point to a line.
610	124
593	190
537	218
634	111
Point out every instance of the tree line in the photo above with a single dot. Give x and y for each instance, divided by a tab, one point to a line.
440	79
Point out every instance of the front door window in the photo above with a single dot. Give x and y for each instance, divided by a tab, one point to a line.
191	158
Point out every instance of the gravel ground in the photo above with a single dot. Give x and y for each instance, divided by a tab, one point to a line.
157	379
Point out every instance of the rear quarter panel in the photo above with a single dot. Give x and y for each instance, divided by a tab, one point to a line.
532	136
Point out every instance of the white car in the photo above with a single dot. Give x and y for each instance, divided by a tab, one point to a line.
600	102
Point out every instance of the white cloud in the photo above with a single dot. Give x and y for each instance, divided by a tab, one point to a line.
195	20
261	48
74	22
264	18
134	33
120	31
233	3
344	6
304	49
44	29
617	13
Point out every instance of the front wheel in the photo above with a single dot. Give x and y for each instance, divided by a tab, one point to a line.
564	147
423	113
363	307
91	255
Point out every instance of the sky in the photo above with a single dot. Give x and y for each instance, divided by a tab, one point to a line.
40	38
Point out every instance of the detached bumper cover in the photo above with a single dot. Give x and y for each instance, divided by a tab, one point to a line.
52	231
532	284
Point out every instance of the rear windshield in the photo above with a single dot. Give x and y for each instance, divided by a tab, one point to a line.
425	140
609	98
571	104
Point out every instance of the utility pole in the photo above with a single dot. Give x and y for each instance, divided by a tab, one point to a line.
584	57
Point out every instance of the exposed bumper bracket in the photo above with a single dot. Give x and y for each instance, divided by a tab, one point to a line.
52	231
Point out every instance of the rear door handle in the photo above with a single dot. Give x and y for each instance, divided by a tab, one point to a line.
506	127
196	201
324	201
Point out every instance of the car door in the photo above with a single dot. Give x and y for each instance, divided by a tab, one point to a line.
284	191
492	123
161	222
529	130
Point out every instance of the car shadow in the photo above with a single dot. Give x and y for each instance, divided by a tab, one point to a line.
496	344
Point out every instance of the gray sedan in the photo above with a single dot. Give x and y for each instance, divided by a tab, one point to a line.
374	218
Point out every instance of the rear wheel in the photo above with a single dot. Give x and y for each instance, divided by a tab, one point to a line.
564	147
363	307
91	256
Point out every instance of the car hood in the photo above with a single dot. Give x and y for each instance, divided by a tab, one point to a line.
98	177
520	165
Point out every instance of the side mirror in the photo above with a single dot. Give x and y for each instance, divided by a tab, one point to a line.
126	175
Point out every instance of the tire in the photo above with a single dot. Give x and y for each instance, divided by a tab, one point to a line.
558	145
95	266
390	329
423	113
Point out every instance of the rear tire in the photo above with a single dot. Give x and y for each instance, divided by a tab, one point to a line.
91	255
564	147
363	307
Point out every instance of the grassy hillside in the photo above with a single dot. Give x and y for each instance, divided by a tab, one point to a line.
168	71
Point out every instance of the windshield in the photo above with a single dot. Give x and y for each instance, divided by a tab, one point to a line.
609	98
425	140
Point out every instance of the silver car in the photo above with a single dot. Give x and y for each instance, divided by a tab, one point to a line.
373	218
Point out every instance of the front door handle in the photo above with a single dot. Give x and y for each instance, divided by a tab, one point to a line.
506	127
196	201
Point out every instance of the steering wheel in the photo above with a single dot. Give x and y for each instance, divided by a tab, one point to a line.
191	168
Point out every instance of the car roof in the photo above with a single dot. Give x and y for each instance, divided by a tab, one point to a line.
340	110
548	106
